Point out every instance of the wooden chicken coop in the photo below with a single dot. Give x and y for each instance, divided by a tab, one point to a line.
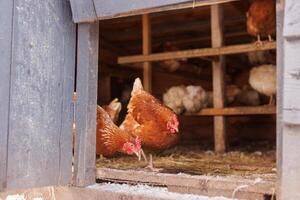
96	48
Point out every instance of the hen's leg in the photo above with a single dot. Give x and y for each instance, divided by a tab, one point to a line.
272	100
258	42
150	165
270	38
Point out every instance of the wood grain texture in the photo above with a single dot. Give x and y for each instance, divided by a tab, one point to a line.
200	185
147	67
6	13
292	19
40	94
289	107
218	68
204	52
279	99
259	110
119	8
87	76
83	11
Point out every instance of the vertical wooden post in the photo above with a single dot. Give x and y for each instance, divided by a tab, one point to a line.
218	77
87	76
147	68
288	104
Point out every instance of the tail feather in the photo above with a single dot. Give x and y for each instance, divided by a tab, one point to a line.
137	86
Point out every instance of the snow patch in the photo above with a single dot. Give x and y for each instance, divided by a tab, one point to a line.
156	192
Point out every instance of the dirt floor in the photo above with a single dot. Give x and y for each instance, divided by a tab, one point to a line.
242	160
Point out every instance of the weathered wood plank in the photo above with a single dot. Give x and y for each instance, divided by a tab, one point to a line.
147	67
205	52
119	8
259	110
218	68
42	48
292	19
87	76
203	185
68	72
289	137
6	13
83	10
279	99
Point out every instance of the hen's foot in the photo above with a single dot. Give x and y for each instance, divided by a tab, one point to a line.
258	42
150	165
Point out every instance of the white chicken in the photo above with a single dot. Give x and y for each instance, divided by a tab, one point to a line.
263	79
195	99
173	98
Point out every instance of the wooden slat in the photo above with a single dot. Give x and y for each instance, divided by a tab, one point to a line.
279	99
86	89
6	13
205	52
120	8
39	142
289	107
201	185
147	68
260	110
83	11
218	68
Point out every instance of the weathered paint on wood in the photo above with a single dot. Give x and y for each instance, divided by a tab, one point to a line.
113	7
42	78
218	68
86	89
292	19
6	13
83	10
279	99
289	105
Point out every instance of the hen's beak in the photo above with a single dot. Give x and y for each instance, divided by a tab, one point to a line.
177	130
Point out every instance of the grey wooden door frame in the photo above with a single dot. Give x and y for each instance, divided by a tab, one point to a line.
37	65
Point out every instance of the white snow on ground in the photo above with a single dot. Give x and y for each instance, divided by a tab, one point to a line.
157	192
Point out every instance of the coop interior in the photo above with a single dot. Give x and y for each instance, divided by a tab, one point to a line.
192	82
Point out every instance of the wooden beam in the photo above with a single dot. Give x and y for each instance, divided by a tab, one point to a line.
288	84
104	8
204	52
6	16
218	68
199	185
147	68
259	110
87	76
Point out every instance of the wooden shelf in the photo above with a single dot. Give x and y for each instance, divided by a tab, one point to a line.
259	110
205	52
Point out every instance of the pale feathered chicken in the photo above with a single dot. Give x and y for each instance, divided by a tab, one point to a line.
190	99
263	79
173	98
195	99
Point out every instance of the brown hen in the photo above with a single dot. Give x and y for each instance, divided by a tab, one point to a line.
261	18
111	139
147	119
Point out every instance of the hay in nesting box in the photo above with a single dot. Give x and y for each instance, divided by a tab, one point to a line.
193	160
